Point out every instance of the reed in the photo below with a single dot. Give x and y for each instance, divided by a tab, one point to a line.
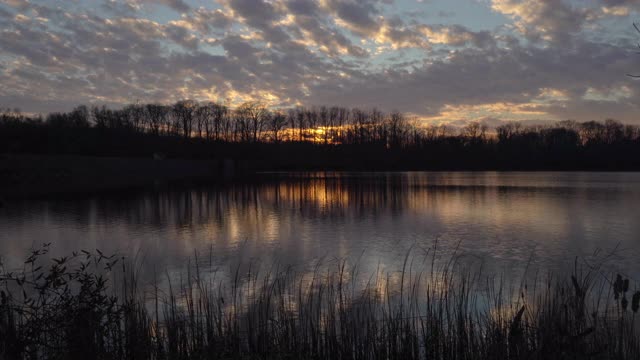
90	305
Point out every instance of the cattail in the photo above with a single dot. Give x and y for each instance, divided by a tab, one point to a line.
635	302
625	286
624	303
617	287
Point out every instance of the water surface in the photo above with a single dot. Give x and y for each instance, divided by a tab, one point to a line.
506	221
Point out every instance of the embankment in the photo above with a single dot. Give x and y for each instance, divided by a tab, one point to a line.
38	175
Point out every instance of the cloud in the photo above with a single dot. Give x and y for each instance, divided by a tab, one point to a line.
358	16
177	5
457	35
632	4
18	4
616	10
347	52
121	8
308	22
206	21
548	20
474	77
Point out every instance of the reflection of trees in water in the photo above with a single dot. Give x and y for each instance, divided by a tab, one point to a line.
325	198
310	196
301	217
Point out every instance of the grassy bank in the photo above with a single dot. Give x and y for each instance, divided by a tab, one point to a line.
91	306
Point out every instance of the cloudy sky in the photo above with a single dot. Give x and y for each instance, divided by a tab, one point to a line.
441	60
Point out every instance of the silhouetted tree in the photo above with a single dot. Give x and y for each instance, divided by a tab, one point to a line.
183	112
359	138
277	122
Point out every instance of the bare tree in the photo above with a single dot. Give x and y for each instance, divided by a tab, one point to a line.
156	117
277	122
252	117
100	116
311	120
614	131
183	112
134	117
397	125
591	132
220	125
300	121
204	116
325	123
508	131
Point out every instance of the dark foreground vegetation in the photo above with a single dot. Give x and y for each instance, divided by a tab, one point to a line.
319	138
77	308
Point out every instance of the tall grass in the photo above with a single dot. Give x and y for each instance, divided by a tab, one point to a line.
89	305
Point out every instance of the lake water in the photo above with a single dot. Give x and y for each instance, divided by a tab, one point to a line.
506	221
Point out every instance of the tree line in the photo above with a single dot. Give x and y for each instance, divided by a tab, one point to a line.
329	135
250	122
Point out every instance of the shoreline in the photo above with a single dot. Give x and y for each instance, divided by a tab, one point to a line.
37	175
41	175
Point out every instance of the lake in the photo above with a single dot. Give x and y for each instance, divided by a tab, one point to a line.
505	221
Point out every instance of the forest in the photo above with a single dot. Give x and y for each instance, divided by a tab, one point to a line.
319	138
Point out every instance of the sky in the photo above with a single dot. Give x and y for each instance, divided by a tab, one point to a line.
438	60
